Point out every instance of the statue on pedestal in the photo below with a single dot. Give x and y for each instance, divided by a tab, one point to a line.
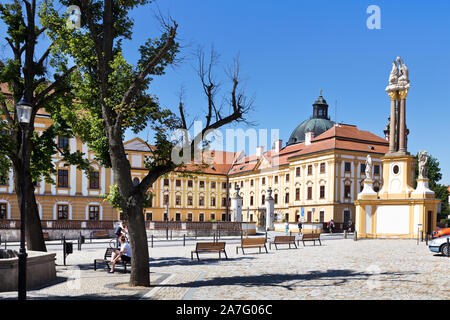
423	170
368	168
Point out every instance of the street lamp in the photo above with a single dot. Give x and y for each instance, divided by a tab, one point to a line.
23	109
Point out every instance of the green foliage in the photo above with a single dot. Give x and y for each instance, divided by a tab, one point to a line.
114	197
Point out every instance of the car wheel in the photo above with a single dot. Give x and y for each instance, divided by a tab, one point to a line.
444	249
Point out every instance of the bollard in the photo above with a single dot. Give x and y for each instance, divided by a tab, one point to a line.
426	239
345	234
421	236
170	234
355	236
195	234
184	240
152	241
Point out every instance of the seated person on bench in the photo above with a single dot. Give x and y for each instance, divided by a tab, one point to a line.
124	255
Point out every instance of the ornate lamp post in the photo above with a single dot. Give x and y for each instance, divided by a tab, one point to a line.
24	109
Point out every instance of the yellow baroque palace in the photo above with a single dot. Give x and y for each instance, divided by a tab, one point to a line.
316	176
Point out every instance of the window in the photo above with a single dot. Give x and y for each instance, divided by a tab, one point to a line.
321	216
363	168
3	211
201	184
201	201
178	217
286	198
165	217
213	201
63	211
166	182
201	217
376	187
94	180
178	200
136	182
63	178
63	143
213	184
94	212
322	192
348	167
297	172
251	183
251	217
275	198
297	194
189	217
309	193
263	181
376	169
287	177
224	202
322	167
309	216
251	200
190	201
263	199
149	216
190	183
224	185
242	184
212	216
178	183
166	199
224	217
347	192
310	170
275	179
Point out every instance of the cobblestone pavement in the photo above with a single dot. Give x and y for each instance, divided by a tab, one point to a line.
339	269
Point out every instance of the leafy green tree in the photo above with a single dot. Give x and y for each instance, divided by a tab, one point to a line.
27	76
434	176
113	97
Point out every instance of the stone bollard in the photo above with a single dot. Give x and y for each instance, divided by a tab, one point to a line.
355	236
345	234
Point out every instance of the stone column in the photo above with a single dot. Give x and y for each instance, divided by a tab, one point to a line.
392	125
402	134
236	207
269	203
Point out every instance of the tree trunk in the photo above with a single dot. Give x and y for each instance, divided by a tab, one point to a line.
140	270
33	229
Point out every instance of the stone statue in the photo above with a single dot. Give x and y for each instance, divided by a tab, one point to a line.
423	170
368	168
403	79
393	77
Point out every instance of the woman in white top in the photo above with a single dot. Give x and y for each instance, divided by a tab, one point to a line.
124	255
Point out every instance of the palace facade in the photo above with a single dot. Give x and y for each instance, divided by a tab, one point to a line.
316	176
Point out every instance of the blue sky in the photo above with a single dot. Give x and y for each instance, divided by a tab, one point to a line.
291	49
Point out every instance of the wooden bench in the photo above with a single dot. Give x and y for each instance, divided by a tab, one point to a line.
100	234
107	259
283	240
311	237
209	247
252	243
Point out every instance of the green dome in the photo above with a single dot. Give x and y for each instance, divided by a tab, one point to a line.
319	123
318	126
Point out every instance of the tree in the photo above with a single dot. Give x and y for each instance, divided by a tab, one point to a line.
113	96
28	77
434	176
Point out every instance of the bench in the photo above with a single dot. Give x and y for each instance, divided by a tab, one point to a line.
107	259
283	240
252	243
311	237
209	247
100	234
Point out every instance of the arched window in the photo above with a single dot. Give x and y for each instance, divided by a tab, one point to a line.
135	182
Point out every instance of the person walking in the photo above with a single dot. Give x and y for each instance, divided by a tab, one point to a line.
299	227
118	233
286	225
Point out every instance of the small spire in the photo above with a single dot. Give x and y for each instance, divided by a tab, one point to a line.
321	91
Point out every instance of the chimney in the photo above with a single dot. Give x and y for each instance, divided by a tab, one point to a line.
259	151
277	145
308	137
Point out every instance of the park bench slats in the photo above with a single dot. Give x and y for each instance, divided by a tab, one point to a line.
283	240
311	237
100	234
209	247
252	243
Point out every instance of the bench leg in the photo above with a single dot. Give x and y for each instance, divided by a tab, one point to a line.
95	265
243	250
226	257
197	256
320	242
219	255
295	245
266	248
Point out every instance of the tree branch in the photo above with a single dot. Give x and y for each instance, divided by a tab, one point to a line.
40	97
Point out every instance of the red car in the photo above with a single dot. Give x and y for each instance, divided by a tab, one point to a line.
440	233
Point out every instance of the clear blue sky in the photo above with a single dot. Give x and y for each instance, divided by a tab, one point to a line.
291	49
